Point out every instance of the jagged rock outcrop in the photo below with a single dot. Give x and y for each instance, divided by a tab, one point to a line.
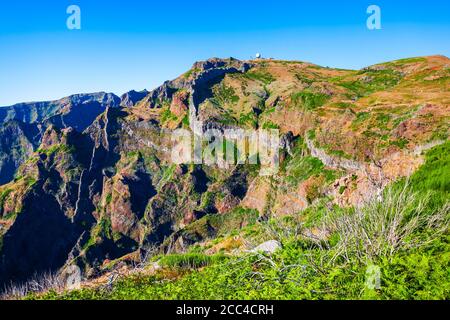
17	142
180	103
45	227
198	84
212	72
31	119
131	98
71	109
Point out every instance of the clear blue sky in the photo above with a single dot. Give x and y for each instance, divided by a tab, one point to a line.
133	44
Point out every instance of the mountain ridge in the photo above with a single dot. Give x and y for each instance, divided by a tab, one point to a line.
105	178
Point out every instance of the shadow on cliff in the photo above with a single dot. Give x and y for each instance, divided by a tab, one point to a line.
38	242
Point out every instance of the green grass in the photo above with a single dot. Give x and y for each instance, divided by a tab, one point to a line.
261	76
63	148
190	72
185	121
109	198
383	119
371	81
343	105
300	169
401	143
361	117
289	274
270	125
166	176
190	260
29	182
167	116
226	118
207	200
248	119
304	79
309	100
406	61
434	175
213	225
331	150
3	197
311	134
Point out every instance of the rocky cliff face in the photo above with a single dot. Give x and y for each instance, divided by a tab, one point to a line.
132	97
72	108
88	179
23	124
18	141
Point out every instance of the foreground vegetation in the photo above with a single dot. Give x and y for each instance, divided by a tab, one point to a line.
393	248
293	273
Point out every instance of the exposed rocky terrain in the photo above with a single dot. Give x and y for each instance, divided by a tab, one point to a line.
88	179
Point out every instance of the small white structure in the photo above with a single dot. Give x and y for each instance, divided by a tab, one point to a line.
258	56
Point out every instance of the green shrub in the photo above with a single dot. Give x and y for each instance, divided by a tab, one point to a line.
417	275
